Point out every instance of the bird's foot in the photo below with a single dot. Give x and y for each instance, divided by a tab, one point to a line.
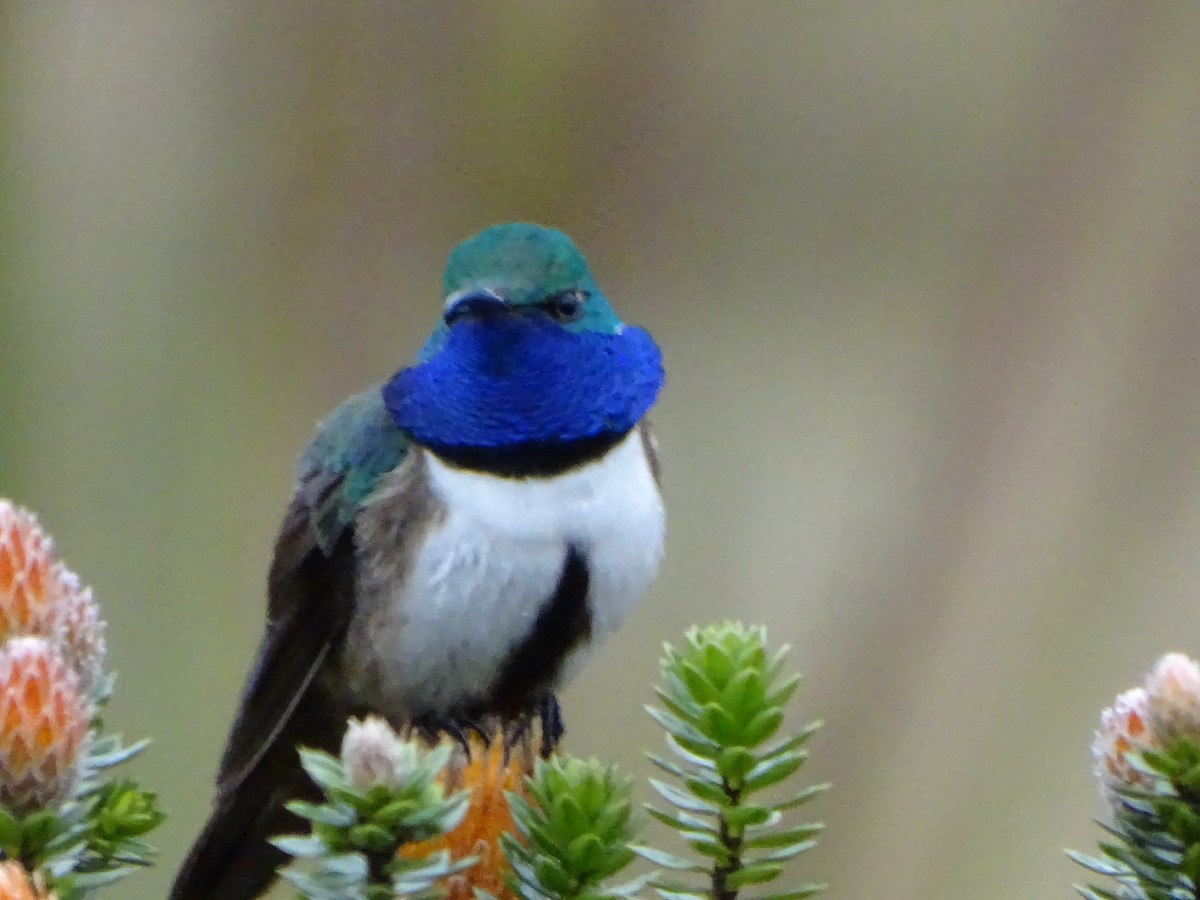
460	727
550	713
541	722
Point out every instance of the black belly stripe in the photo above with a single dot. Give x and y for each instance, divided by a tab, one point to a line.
563	623
529	459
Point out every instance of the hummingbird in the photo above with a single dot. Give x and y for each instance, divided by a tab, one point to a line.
459	537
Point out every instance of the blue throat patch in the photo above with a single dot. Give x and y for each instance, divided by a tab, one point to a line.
509	380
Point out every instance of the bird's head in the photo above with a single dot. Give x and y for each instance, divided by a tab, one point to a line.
528	349
527	271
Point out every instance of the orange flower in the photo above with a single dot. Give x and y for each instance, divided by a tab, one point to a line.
17	884
43	724
487	769
42	597
27	579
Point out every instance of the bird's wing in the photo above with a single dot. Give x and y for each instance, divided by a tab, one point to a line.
311	582
288	700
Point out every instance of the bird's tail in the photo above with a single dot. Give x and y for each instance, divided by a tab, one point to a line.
231	859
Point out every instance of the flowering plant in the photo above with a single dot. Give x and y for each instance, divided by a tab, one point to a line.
64	827
501	812
1147	755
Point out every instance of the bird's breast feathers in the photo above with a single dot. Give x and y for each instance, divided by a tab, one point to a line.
439	618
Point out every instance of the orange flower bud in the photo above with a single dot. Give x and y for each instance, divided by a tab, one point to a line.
42	597
27	583
17	884
43	724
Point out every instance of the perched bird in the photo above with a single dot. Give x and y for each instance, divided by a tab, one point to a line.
459	537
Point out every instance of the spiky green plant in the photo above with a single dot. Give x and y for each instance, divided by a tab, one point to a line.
367	815
723	701
573	833
97	837
1147	754
1153	850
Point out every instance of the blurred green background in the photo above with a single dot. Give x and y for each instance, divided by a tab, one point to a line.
927	281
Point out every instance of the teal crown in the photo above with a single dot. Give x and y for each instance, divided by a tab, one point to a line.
526	261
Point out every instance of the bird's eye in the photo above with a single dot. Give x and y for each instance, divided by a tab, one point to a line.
565	307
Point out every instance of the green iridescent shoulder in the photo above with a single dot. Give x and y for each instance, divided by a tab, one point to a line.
356	445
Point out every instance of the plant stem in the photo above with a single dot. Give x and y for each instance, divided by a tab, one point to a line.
733	846
378	867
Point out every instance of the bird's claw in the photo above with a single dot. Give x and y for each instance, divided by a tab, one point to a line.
465	726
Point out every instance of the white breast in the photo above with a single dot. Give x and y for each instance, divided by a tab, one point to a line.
483	573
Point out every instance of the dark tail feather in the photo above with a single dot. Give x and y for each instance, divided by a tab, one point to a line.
231	860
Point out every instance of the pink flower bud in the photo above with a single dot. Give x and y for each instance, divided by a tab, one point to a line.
373	754
80	630
1173	698
1123	729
